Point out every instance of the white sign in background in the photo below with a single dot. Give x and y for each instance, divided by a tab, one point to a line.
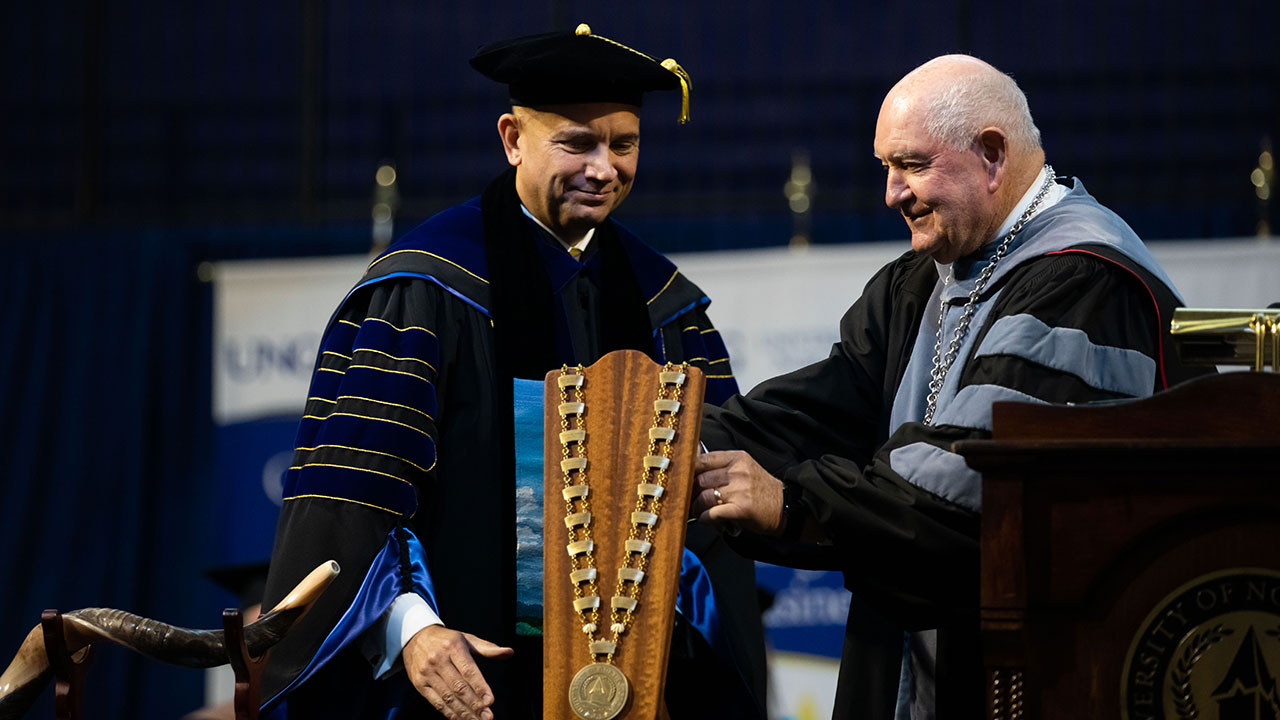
776	309
779	310
268	316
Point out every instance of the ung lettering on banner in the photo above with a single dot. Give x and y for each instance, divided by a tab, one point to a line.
268	318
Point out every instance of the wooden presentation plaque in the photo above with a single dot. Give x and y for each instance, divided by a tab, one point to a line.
619	392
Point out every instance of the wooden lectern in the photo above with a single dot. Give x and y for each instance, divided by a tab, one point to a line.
1131	555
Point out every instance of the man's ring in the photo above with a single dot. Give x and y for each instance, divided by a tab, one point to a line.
719	498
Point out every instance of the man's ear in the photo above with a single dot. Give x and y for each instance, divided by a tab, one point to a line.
993	146
509	131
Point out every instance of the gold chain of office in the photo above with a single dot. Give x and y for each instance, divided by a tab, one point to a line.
599	690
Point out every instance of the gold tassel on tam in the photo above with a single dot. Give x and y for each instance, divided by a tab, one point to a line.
686	84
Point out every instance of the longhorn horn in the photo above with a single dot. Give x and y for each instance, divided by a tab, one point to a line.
25	678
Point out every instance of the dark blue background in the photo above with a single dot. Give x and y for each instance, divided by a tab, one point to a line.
138	139
143	113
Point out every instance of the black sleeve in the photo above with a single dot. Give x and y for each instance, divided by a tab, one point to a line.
833	406
369	424
905	550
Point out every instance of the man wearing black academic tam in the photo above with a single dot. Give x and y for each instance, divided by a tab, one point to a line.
411	466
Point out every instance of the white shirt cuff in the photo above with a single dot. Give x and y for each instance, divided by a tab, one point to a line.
386	638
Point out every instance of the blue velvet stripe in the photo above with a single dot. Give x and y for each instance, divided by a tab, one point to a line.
695	350
1114	369
366	435
326	382
410	344
705	344
714	344
382	584
357	426
720	389
675	316
392	388
455	234
431	279
336	483
696	601
360	424
342	334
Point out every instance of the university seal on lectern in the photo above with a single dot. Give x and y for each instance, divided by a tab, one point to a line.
1210	650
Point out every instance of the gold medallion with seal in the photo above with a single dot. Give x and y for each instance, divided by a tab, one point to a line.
598	692
1210	650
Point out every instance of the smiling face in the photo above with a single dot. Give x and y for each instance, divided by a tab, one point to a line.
946	196
574	163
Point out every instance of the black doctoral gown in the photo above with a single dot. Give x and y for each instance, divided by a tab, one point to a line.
1076	312
408	428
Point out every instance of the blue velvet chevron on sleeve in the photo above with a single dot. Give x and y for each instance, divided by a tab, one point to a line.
367	434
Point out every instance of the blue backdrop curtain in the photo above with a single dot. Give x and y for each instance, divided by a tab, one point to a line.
107	439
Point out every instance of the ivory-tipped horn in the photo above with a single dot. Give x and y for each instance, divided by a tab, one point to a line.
29	672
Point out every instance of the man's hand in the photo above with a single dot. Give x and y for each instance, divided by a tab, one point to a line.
438	662
733	488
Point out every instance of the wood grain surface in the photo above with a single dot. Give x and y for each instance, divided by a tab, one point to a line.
619	392
1093	515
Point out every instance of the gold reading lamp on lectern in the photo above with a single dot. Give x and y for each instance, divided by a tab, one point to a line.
1228	337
